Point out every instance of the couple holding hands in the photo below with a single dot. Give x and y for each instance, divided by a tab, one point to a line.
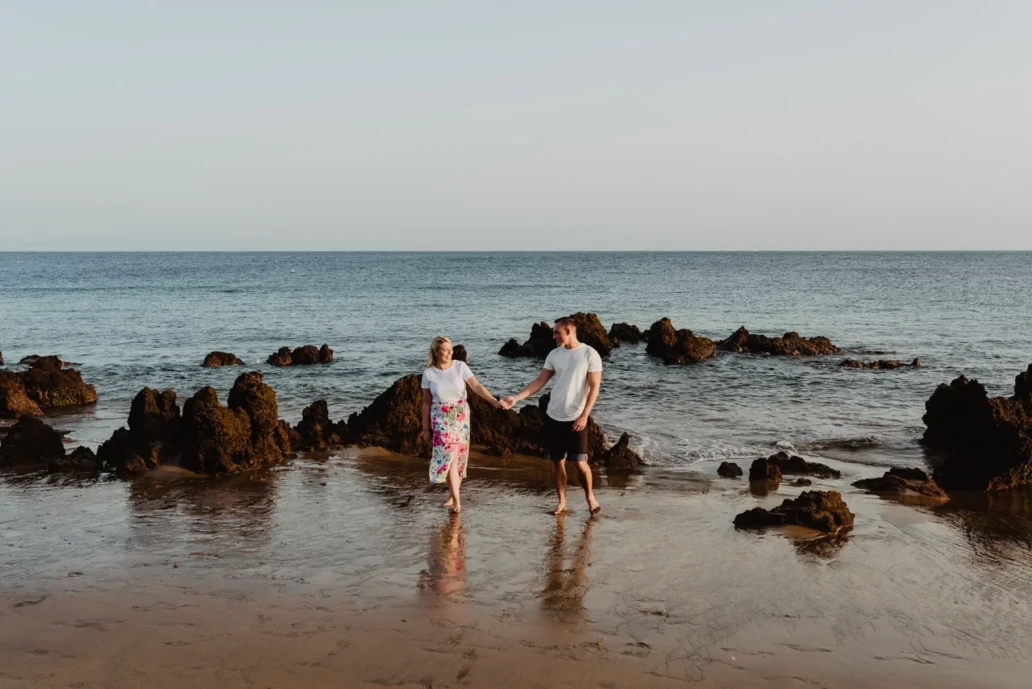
575	368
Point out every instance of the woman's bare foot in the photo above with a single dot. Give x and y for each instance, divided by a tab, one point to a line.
561	509
594	506
454	508
448	504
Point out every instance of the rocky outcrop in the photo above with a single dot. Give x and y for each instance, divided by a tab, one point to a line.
459	353
30	443
879	364
393	420
302	356
799	482
764	471
1	358
217	359
729	470
207	437
677	346
316	431
46	384
814	509
987	442
81	460
797	465
620	457
503	432
899	481
625	333
789	344
589	331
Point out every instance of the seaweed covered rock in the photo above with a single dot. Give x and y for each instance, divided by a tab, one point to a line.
797	465
591	332
789	344
677	346
987	442
306	355
81	459
154	422
316	431
46	384
901	481
814	509
215	439
620	457
763	470
625	333
729	470
14	401
30	443
217	359
393	420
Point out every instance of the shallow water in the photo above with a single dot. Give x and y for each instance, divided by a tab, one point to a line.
136	319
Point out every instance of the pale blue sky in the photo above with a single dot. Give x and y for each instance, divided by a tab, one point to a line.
542	125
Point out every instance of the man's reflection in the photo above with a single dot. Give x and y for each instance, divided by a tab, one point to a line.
445	576
565	586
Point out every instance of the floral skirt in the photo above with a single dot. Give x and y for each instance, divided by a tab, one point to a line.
450	424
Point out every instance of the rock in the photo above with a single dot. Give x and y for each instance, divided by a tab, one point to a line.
815	509
30	443
802	482
48	385
620	456
208	438
306	355
14	401
677	346
541	342
789	344
797	465
987	442
393	420
729	470
900	481
879	364
316	430
625	333
459	353
81	459
1	358
217	359
763	470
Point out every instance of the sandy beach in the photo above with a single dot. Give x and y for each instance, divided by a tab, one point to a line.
342	570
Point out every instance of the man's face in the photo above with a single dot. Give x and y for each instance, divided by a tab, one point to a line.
561	333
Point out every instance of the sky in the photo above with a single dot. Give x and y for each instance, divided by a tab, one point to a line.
744	125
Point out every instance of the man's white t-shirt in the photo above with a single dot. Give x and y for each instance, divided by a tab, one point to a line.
570	389
449	384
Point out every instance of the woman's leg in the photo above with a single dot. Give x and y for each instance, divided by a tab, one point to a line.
454	482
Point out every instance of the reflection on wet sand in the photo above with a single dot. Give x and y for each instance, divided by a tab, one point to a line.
565	586
444	579
994	524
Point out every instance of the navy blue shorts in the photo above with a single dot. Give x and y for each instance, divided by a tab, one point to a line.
564	442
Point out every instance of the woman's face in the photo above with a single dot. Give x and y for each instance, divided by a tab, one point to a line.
444	354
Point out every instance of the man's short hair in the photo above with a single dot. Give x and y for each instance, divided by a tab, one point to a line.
567	321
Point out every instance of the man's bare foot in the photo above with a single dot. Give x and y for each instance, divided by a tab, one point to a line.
594	506
561	509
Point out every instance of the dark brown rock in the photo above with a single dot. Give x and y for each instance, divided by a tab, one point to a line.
217	359
900	481
154	429
797	465
799	482
81	459
215	439
987	442
620	457
591	332
625	333
814	509
881	364
1	358
459	353
393	420
763	470
306	355
153	415
538	346
316	430
49	386
270	438
789	344
729	470
14	401
30	443
677	346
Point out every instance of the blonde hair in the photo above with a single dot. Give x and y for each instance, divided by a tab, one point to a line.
435	347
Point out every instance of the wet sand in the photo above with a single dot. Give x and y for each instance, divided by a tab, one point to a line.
344	571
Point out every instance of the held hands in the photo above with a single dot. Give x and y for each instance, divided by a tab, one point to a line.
581	423
506	403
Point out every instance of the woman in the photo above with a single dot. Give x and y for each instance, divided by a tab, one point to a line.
446	414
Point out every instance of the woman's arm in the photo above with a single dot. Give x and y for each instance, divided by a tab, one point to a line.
428	398
476	387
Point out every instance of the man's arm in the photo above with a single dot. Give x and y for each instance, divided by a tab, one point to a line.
594	384
532	389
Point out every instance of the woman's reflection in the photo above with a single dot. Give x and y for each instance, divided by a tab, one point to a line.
565	586
445	576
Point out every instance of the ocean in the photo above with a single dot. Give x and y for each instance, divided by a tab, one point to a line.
147	319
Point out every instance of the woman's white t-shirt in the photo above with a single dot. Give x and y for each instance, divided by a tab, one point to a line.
447	385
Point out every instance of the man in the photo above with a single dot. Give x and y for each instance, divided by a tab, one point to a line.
577	369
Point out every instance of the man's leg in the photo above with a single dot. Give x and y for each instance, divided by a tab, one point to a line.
559	469
584	478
